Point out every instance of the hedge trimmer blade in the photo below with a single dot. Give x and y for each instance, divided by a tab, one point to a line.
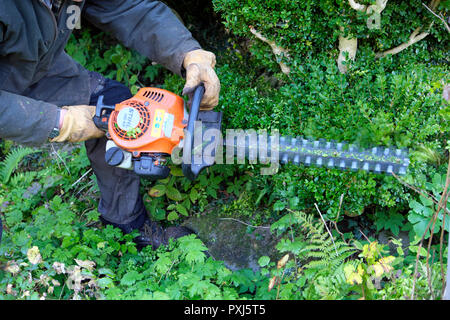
154	124
322	153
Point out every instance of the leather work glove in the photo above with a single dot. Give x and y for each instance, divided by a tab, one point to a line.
77	124
199	65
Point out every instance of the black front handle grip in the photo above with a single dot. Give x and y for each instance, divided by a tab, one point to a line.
195	108
189	169
197	161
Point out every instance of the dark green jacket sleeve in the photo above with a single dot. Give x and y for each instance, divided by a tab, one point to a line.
150	27
25	120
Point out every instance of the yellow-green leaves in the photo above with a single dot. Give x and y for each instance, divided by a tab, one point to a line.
366	273
383	266
353	275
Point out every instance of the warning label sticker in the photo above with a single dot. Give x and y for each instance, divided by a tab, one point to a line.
158	120
168	124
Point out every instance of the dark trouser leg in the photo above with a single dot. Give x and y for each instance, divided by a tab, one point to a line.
120	201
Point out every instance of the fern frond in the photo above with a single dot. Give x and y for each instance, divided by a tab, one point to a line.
23	178
12	160
321	251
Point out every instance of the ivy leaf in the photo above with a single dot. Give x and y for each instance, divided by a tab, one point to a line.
133	79
212	192
186	203
119	75
159	214
115	58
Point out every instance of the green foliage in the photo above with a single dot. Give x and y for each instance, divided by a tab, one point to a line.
320	249
428	284
308	28
394	101
97	51
182	271
55	248
423	210
12	160
408	113
402	286
178	195
319	258
389	220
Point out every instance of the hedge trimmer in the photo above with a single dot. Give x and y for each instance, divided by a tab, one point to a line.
146	130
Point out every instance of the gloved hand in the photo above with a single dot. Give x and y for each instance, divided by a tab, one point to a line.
77	124
199	65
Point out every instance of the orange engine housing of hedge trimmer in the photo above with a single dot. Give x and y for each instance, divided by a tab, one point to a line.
145	129
150	122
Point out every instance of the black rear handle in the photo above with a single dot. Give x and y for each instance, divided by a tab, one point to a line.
102	113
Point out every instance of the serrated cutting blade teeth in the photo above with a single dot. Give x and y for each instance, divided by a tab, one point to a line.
343	156
322	153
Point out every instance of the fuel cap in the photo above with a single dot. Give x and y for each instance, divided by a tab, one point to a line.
114	156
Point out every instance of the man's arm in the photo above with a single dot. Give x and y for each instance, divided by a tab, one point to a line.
24	120
30	122
150	27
